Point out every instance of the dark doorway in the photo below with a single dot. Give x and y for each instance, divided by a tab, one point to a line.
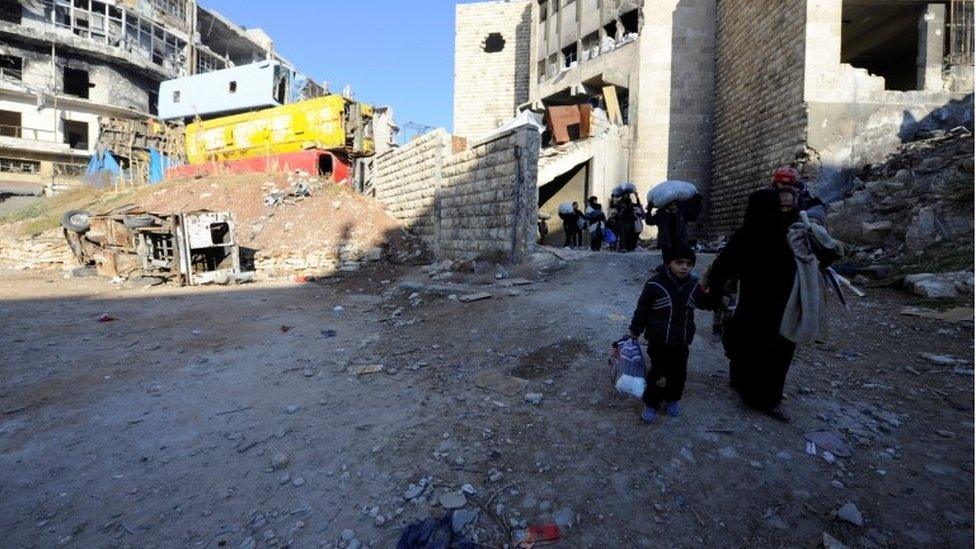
325	165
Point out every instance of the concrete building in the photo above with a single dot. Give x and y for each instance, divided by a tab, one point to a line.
830	85
491	71
65	63
720	92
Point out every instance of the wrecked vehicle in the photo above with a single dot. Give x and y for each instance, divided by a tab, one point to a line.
190	248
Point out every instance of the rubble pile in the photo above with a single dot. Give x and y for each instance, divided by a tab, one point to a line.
288	224
914	212
44	251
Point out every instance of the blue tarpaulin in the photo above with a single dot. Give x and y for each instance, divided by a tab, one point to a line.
158	162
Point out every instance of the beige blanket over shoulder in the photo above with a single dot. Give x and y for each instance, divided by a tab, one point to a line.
805	317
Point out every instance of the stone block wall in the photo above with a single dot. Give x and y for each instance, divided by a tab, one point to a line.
478	202
760	115
489	85
406	181
489	200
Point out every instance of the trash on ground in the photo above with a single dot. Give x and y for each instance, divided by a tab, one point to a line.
106	318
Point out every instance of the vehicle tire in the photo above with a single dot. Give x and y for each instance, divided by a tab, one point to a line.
76	220
139	221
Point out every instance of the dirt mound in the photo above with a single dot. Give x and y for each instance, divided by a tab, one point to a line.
332	216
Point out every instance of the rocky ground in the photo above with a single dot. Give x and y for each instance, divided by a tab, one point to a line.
260	416
913	215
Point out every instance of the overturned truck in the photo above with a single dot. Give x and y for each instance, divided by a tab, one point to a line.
190	248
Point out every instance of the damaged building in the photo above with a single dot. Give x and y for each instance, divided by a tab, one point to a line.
714	92
65	63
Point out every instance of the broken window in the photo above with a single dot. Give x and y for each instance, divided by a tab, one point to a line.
62	13
15	165
176	96
280	91
591	46
153	102
553	65
961	32
10	124
629	22
494	43
570	55
11	67
543	10
76	134
76	82
541	69
232	87
610	30
11	11
883	39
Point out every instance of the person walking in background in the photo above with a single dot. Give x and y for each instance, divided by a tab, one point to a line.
597	220
579	221
672	220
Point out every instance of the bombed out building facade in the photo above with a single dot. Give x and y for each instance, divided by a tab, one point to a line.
717	92
65	63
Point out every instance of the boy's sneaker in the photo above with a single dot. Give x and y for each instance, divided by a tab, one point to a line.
648	415
672	409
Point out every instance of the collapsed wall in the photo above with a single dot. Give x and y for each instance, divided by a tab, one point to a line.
478	202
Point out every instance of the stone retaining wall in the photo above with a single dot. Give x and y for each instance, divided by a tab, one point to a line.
481	201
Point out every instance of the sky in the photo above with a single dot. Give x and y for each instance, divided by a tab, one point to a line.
392	52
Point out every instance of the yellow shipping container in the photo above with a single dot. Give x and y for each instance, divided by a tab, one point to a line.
330	123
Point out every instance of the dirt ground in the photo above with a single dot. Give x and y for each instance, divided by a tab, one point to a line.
163	427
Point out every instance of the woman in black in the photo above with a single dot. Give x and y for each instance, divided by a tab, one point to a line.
760	256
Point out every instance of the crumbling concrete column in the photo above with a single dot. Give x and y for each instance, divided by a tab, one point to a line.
931	46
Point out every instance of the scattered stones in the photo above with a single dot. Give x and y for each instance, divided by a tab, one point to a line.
297	481
279	461
468	489
829	441
533	398
942	285
850	513
292	409
757	465
462	518
942	360
452	500
565	517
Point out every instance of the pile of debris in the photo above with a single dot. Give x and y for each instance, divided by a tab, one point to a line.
287	224
45	251
912	213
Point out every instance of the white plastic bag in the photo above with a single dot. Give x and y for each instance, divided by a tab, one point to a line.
627	369
566	208
624	188
670	191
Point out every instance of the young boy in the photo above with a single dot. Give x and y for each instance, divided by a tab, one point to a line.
665	313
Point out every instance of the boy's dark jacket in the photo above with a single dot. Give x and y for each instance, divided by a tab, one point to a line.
666	309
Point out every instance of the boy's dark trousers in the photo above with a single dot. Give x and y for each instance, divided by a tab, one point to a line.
666	379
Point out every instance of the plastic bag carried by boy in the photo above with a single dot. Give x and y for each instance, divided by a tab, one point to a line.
627	367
